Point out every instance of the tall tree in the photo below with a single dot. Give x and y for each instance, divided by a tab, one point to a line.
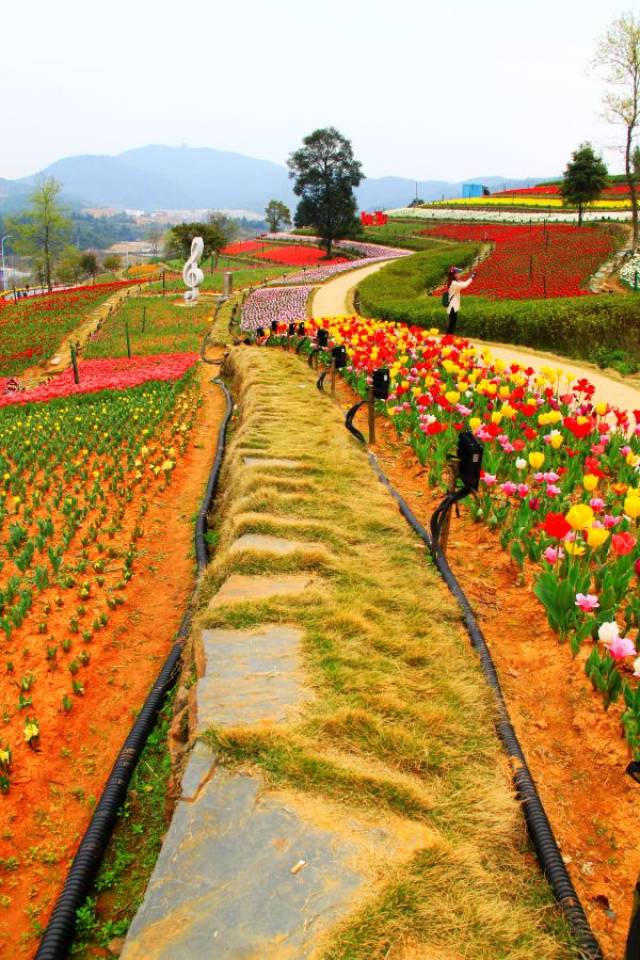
619	54
276	212
584	178
326	173
43	230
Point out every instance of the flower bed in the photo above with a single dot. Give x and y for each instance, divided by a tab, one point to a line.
103	374
507	216
561	481
533	261
31	329
286	254
275	303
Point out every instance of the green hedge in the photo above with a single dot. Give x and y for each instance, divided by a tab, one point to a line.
604	329
400	290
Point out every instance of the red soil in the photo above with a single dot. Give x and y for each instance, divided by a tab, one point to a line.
53	789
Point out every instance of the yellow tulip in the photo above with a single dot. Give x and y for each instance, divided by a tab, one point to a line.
632	507
452	396
574	549
589	482
601	408
536	459
475	422
580	516
596	536
556	439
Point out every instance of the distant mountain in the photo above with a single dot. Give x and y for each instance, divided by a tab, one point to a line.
175	178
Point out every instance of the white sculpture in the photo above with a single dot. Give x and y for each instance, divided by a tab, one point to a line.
191	272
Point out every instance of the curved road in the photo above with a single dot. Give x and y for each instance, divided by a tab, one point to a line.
331	298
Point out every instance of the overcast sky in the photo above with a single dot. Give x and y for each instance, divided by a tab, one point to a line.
423	88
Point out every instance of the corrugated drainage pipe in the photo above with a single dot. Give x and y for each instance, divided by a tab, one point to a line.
58	936
538	824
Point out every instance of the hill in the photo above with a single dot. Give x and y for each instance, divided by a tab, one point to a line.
158	177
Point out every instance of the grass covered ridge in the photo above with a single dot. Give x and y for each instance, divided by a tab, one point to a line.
402	723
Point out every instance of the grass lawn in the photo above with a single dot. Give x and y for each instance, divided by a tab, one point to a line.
214	282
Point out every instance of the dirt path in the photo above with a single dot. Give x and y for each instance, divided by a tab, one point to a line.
332	298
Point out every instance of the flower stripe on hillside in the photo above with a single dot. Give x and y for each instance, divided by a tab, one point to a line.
103	374
532	261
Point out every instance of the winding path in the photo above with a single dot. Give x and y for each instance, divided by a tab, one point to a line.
332	299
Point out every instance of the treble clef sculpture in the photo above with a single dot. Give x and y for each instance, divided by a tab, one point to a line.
191	272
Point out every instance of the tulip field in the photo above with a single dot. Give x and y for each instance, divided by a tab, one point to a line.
533	261
31	329
294	255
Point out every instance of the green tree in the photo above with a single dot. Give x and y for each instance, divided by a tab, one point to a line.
44	228
112	262
584	179
67	268
619	54
326	173
216	232
88	263
275	213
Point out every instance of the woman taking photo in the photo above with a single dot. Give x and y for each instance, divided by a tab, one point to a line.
454	286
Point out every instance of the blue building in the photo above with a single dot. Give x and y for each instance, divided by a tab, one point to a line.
474	190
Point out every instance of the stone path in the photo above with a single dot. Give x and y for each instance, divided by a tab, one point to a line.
244	873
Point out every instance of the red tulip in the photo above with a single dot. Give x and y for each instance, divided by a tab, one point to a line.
556	526
623	543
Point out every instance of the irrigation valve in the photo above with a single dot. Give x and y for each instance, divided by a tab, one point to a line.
469	461
339	357
467	467
274	326
291	330
301	332
323	338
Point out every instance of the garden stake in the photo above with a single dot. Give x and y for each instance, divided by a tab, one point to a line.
333	377
74	361
372	416
144	317
126	333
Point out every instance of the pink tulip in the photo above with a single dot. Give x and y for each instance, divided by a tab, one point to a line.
489	479
553	554
610	521
587	602
523	490
621	647
508	488
553	491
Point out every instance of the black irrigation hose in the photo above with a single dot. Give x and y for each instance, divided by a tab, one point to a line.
320	381
58	936
312	354
301	344
348	421
536	819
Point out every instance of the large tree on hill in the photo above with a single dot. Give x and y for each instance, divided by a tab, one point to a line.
584	178
326	173
43	230
276	212
619	54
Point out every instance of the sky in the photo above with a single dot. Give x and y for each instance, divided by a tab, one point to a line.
424	89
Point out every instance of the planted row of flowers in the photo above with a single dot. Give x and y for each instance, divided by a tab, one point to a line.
32	329
76	476
508	216
103	374
267	304
533	261
553	190
289	254
561	480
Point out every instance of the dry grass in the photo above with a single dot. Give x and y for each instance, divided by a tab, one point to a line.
402	722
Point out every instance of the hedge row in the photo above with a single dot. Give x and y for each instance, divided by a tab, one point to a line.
586	327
